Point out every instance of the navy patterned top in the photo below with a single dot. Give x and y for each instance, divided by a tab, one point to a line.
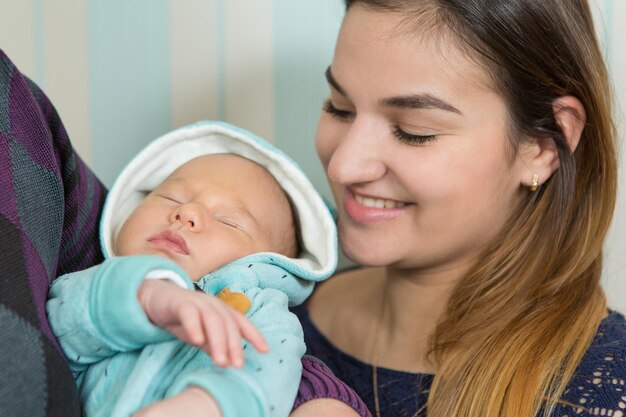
597	389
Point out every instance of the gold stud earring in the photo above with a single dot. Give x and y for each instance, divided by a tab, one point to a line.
535	183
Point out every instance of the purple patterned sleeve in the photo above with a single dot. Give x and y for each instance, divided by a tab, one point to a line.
50	203
318	381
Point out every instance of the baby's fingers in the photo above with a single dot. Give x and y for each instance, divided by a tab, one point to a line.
250	333
233	335
189	317
215	328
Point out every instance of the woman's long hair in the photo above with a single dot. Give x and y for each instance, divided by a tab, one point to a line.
519	323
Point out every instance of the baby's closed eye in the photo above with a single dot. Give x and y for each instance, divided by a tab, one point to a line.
230	223
169	197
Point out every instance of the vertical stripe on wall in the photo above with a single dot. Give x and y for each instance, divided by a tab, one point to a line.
194	61
220	30
608	9
304	36
615	264
249	66
39	58
66	70
603	11
130	79
17	34
617	29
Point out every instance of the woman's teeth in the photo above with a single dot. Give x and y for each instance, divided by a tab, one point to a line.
378	202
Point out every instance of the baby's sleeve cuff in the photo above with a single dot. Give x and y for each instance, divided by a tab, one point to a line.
168	275
232	395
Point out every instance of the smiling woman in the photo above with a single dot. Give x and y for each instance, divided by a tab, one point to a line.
471	152
432	109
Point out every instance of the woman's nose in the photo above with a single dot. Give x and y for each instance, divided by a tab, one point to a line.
358	157
189	215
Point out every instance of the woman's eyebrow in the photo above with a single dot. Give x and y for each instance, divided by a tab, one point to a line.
415	101
419	101
331	80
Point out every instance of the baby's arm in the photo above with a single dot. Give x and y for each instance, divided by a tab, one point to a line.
95	313
267	383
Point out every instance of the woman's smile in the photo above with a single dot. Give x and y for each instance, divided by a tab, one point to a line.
369	209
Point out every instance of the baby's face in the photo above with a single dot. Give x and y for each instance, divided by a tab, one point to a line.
210	211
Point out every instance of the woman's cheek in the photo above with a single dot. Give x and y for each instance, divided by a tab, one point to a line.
326	139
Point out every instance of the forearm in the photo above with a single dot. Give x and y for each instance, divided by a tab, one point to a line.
49	209
324	407
95	313
195	402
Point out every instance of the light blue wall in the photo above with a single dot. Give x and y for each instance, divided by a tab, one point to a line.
129	79
304	37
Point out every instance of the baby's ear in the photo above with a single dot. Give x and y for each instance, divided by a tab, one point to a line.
541	157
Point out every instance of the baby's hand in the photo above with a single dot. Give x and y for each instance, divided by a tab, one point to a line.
193	402
199	319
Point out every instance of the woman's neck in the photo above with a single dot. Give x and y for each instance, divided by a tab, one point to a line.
411	305
384	315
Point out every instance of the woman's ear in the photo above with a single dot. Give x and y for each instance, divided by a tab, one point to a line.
541	154
570	114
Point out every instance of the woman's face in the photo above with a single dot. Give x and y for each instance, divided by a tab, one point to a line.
414	142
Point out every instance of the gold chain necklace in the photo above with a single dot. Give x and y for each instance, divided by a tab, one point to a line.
381	317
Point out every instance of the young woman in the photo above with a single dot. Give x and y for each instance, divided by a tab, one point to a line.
471	151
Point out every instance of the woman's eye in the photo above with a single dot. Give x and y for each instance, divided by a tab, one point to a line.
412	139
335	112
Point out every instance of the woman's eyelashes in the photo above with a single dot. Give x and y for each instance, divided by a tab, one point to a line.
412	139
403	136
337	113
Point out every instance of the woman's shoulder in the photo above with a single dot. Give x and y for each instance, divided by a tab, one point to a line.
599	384
608	346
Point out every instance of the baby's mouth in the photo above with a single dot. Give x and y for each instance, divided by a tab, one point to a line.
170	241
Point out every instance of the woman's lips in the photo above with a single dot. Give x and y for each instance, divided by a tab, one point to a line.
364	209
170	241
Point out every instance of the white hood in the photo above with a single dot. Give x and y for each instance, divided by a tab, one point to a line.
318	257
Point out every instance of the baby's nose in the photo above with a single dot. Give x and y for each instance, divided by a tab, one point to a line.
190	215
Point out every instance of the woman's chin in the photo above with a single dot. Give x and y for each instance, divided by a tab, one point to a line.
365	255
